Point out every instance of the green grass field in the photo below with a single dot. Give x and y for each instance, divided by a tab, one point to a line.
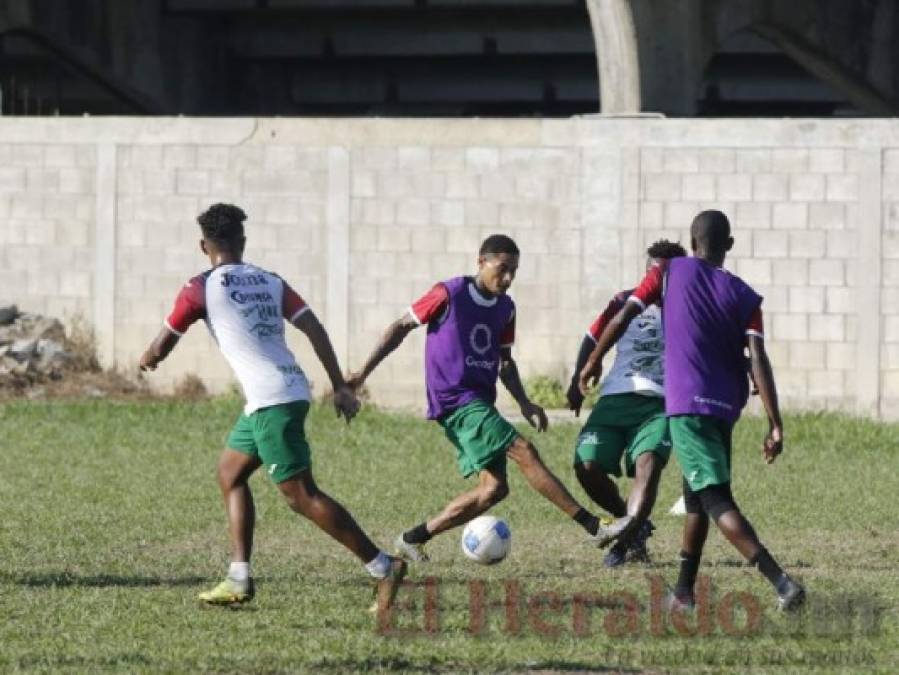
112	522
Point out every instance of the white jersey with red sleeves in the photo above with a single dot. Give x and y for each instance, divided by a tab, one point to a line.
638	366
652	291
244	308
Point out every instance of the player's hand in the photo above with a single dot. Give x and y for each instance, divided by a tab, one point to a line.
346	403
589	376
148	361
773	445
354	381
535	415
575	397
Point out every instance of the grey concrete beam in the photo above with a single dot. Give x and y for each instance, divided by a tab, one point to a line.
827	69
616	55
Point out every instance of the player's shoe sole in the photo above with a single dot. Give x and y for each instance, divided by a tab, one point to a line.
609	532
679	602
792	599
631	551
387	588
411	552
616	556
229	592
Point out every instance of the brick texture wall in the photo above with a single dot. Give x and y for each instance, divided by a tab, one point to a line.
97	219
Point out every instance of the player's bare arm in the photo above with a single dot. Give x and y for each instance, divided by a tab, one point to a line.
592	370
763	376
345	400
508	375
159	349
574	396
393	337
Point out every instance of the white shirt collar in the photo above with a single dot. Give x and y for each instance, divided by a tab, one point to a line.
478	298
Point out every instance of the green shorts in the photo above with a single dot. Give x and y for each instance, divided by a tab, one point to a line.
620	422
481	436
275	435
702	445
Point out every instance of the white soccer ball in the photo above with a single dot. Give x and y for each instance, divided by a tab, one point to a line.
486	540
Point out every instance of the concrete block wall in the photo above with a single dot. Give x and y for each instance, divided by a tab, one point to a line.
794	213
97	217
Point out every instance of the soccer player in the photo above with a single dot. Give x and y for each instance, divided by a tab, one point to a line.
629	419
471	329
710	316
245	307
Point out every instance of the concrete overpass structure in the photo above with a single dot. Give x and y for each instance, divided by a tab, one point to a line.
449	57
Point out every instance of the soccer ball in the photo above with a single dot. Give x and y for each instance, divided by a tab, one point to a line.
486	540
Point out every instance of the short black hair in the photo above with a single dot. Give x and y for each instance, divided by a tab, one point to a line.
223	224
711	231
665	250
498	243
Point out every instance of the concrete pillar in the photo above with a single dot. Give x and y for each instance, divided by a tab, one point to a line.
104	285
869	282
337	301
616	55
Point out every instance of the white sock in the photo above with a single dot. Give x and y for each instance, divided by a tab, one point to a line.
239	571
380	566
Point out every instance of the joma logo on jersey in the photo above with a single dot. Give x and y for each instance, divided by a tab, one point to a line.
244	280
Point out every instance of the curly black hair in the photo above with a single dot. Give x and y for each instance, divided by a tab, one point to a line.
666	250
223	224
496	244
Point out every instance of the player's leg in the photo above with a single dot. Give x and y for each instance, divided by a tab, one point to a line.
480	443
600	488
707	470
646	457
304	497
280	433
597	456
632	547
234	471
696	530
719	503
492	488
236	464
480	437
541	479
642	497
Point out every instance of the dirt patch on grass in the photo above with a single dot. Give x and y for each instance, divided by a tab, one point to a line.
40	358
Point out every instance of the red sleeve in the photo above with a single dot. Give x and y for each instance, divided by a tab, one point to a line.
292	305
615	304
190	305
649	291
755	325
507	339
431	305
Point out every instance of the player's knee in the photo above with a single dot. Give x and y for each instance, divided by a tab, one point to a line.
524	452
297	493
494	493
717	500
586	472
227	477
647	464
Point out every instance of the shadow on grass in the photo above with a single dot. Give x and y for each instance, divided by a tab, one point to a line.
67	579
433	666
